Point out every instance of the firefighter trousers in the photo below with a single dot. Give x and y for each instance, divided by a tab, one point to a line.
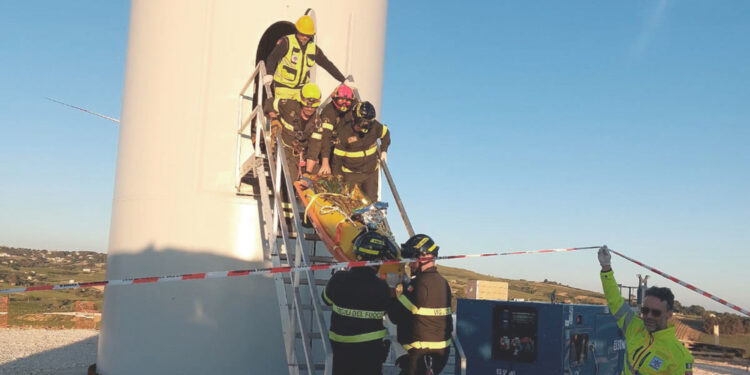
416	360
364	358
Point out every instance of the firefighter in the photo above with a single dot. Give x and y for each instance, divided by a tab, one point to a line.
290	61
355	156
359	299
335	115
652	347
295	119
422	312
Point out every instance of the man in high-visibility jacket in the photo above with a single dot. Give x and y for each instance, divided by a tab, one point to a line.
355	156
335	116
359	299
291	60
652	347
422	312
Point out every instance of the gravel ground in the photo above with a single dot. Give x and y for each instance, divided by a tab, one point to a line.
40	351
70	352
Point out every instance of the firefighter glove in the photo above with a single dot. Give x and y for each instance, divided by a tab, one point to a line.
393	279
605	258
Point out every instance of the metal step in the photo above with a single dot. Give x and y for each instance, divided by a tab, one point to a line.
313	258
323	307
315	335
316	367
303	281
312	237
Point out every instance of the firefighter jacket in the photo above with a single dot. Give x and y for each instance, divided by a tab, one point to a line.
296	130
359	299
357	151
290	62
647	353
333	121
423	312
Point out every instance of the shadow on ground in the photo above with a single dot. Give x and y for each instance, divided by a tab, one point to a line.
66	360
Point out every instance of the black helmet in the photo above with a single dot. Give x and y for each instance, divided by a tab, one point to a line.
371	245
419	245
364	110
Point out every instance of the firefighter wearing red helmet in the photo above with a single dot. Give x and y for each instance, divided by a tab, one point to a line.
359	299
422	313
335	115
355	156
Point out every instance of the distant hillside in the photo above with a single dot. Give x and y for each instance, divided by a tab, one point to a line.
28	267
522	289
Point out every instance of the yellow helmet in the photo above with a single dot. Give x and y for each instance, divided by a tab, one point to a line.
305	25
310	95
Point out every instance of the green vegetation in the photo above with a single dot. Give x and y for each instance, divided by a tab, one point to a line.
42	309
521	289
734	341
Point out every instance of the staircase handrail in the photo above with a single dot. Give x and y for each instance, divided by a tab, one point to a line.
277	168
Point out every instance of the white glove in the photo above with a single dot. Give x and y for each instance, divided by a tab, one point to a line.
267	79
605	258
393	279
384	156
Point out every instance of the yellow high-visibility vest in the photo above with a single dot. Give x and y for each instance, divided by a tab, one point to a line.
294	68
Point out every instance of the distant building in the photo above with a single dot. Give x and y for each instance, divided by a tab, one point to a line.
488	290
4	255
87	270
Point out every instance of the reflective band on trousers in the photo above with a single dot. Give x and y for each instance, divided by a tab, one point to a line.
347	170
426	311
357	338
361	314
428	345
355	154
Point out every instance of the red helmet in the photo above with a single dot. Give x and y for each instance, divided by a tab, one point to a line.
342	98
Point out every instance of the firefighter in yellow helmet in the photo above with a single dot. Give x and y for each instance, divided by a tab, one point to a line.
295	120
422	313
294	55
652	347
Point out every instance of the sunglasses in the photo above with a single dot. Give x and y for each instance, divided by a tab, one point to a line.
655	313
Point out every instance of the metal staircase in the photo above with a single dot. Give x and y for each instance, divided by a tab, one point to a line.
259	174
262	174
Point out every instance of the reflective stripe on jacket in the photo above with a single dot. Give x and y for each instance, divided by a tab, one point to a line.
356	152
423	312
647	353
359	299
293	69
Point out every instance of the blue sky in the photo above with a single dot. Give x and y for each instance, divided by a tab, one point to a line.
516	125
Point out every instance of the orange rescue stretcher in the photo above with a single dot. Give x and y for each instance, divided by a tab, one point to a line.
329	207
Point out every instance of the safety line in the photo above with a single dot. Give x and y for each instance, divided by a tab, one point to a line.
686	285
347	265
264	271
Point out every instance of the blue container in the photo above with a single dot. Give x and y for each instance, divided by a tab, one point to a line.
532	338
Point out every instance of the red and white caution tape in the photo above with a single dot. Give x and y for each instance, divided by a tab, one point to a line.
686	285
344	265
263	271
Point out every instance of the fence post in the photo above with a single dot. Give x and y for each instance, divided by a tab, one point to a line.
85	315
3	312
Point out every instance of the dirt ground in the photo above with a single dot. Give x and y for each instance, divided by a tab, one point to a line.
70	352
